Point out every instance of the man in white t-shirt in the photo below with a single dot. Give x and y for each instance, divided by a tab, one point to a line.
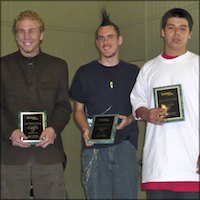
171	150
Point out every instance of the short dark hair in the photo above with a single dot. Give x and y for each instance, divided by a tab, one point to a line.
107	22
177	12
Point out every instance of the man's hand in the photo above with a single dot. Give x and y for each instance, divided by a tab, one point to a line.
154	115
17	138
86	137
157	116
125	121
47	137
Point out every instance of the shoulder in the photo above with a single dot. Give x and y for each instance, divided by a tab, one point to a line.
193	62
52	59
9	57
154	60
53	64
89	67
193	55
129	67
151	63
8	61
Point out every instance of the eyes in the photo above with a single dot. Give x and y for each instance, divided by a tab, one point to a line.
32	31
107	38
180	28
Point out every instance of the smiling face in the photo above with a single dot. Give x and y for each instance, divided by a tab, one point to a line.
176	34
29	36
108	42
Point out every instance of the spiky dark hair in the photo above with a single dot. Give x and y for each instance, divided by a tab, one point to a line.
107	22
105	18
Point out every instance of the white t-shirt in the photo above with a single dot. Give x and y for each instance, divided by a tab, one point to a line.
170	150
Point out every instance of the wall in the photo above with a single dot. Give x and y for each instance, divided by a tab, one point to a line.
140	26
70	27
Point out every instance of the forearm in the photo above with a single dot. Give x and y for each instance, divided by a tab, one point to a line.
81	120
60	118
130	119
62	106
143	113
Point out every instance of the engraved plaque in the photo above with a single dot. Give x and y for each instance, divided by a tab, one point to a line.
103	129
32	124
170	99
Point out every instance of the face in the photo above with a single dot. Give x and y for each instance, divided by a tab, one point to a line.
108	42
176	34
28	37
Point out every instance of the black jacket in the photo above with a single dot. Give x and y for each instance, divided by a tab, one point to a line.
39	83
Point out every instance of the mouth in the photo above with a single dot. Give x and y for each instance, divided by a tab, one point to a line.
176	40
105	48
27	44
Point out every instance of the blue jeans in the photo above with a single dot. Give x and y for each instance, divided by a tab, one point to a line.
111	172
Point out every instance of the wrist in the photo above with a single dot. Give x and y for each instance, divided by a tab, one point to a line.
143	113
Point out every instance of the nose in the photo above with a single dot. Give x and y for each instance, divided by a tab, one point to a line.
26	35
105	40
177	31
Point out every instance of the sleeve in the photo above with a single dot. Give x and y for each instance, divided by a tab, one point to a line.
77	89
8	124
63	108
139	93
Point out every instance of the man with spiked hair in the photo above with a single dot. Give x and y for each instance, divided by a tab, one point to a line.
103	86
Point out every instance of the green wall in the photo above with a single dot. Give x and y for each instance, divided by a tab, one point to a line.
70	27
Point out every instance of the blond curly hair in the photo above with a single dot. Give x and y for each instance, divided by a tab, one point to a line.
30	15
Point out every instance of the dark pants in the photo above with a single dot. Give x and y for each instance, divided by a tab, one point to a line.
165	194
47	181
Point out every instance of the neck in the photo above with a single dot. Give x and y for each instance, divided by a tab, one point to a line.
174	52
30	55
108	62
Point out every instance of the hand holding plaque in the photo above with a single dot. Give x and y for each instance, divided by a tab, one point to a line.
169	98
103	129
32	124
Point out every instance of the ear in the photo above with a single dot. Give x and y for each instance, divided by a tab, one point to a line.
96	42
190	35
162	33
120	40
42	36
